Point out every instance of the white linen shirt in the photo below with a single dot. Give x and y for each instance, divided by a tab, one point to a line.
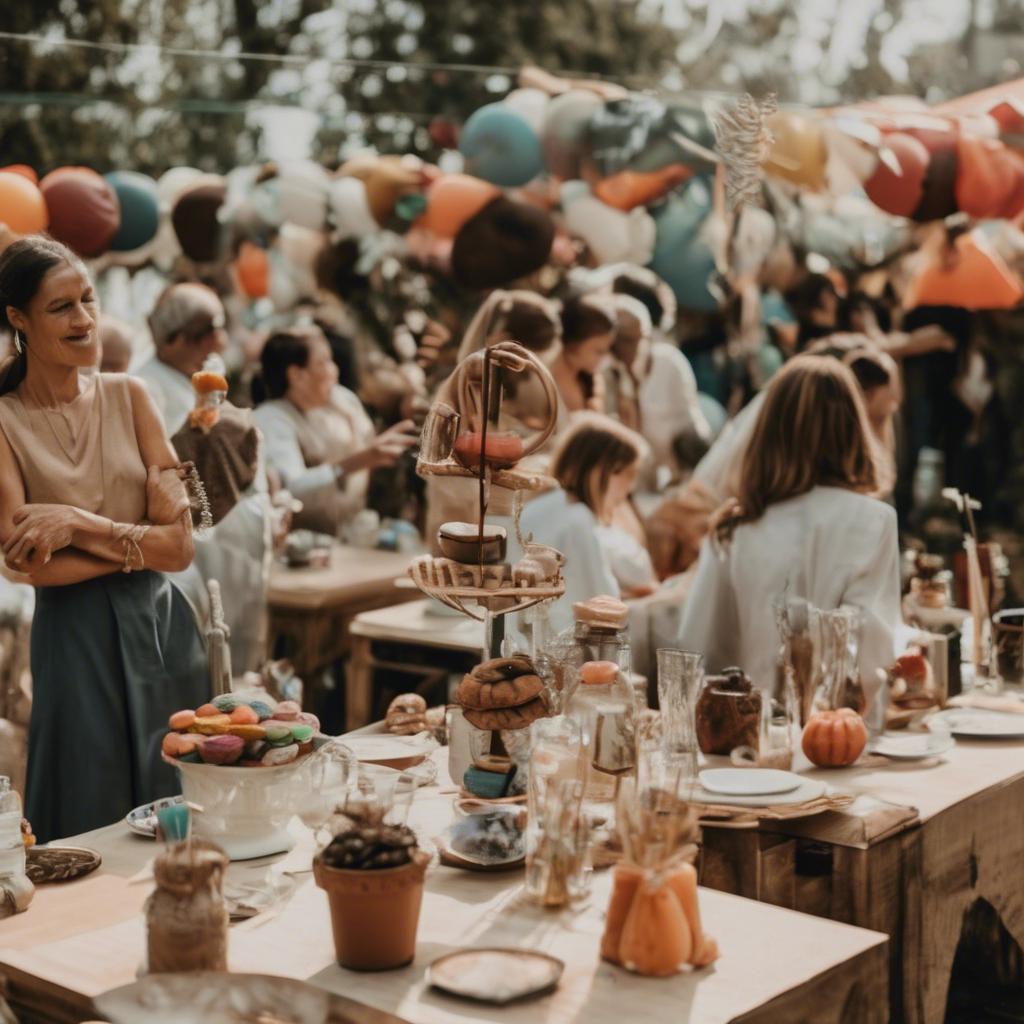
171	390
830	546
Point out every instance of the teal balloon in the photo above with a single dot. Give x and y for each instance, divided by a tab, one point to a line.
500	146
140	210
681	257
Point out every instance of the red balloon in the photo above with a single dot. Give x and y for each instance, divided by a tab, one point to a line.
24	170
22	207
899	194
84	210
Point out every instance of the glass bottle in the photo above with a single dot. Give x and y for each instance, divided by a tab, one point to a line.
13	879
601	699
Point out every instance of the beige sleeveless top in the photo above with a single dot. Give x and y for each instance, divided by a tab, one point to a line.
85	454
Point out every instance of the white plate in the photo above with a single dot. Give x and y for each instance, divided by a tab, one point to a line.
912	746
809	789
748	781
142	820
392	751
978	724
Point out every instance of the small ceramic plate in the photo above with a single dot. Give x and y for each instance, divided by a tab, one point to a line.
142	821
809	789
974	723
398	752
496	976
748	781
912	746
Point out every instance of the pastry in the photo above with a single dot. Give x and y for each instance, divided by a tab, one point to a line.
462	542
507	693
497	669
603	612
406	715
507	718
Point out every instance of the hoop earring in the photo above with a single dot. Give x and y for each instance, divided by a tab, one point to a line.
19	345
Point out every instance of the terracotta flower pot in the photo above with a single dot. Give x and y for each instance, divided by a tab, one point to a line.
374	914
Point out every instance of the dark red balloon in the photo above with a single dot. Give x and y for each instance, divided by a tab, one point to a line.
938	191
200	234
84	210
506	240
899	194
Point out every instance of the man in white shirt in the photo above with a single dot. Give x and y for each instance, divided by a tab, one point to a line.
187	324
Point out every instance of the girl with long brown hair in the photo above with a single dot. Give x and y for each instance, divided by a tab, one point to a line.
806	523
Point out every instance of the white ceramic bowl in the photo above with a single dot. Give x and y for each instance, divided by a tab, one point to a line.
245	810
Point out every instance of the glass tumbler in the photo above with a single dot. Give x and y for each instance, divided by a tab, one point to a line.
680	674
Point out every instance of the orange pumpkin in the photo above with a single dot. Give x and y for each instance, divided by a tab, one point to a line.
834	739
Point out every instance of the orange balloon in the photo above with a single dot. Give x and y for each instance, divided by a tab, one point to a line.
629	189
452	200
24	170
253	267
989	178
22	206
977	278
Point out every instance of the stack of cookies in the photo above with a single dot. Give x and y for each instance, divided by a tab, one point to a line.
503	693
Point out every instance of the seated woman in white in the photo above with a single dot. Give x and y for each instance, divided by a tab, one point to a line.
596	464
805	524
318	438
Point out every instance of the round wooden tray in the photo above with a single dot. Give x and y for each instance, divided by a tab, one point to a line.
59	863
510	479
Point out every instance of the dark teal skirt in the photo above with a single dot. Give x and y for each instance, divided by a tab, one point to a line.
112	658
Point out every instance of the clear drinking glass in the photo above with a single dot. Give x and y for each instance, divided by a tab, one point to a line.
680	675
558	864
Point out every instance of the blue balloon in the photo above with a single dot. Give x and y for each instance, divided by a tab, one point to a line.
140	210
500	146
681	257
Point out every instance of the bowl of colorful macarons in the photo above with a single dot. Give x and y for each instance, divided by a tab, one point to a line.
243	763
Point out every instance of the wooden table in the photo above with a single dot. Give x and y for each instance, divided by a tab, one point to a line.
952	869
311	609
409	638
81	939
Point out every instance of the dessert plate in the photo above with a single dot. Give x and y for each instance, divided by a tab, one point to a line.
912	746
142	820
809	789
398	752
748	781
975	723
495	975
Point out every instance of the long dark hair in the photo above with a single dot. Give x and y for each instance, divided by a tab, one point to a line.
280	351
23	265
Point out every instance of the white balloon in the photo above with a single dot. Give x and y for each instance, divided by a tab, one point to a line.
351	209
530	104
296	195
292	259
612	236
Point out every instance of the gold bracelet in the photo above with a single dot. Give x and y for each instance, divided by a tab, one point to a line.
130	536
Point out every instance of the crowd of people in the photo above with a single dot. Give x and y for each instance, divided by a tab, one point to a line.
769	444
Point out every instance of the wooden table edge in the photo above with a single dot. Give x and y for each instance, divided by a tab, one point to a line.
784	1006
50	1002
